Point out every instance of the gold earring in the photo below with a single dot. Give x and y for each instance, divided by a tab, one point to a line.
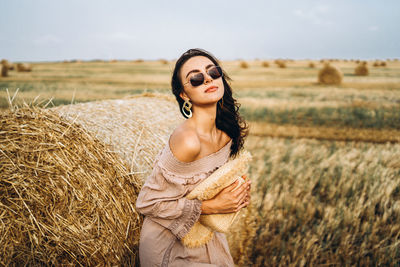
186	106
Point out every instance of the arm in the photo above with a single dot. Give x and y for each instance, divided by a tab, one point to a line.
228	200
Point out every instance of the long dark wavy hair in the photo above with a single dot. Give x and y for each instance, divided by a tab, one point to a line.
228	118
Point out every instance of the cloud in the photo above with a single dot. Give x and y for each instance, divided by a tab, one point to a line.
47	39
315	14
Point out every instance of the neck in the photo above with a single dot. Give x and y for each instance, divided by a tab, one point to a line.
204	120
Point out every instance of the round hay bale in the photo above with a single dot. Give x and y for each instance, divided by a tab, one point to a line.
23	67
265	64
280	63
330	75
66	199
163	61
137	127
383	64
4	71
5	63
361	69
244	65
376	64
311	65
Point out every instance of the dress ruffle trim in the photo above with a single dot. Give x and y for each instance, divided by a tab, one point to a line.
189	179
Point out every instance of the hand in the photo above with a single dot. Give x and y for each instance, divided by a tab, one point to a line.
230	199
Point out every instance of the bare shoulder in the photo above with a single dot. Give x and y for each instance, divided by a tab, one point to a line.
185	143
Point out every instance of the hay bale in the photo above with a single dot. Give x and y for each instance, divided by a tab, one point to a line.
23	67
376	64
383	64
311	65
66	199
330	75
265	64
5	63
4	71
244	65
280	63
137	127
163	61
361	69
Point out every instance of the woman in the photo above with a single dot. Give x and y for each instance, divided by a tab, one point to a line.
213	132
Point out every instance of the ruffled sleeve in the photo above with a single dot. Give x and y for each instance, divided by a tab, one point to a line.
162	197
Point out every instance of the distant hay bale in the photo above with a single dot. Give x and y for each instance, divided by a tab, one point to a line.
280	63
113	61
361	69
244	65
311	65
137	127
4	71
376	64
383	64
23	67
330	75
138	61
265	64
66	198
5	63
163	61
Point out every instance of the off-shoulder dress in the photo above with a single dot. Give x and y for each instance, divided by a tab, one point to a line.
169	215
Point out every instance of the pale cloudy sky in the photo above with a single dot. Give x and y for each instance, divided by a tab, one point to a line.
49	30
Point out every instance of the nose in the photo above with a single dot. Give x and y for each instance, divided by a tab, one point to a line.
207	78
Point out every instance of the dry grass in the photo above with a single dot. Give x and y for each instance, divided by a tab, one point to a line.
320	203
325	133
65	198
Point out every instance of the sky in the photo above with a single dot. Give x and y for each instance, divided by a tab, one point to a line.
54	30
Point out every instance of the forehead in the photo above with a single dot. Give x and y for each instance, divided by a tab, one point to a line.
197	62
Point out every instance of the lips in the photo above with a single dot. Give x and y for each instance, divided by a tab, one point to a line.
211	89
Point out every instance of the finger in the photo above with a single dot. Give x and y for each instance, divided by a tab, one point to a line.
231	186
240	190
244	204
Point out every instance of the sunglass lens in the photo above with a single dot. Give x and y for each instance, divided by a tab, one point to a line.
197	79
215	72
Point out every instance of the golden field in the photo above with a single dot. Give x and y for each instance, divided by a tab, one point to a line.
326	168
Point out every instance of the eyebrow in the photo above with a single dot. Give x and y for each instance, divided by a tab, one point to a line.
196	70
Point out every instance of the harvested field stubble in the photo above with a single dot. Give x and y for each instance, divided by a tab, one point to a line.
65	198
321	203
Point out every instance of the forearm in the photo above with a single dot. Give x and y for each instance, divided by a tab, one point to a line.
207	207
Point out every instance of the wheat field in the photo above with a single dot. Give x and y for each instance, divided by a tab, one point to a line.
326	168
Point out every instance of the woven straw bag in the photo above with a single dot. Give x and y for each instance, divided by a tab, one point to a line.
202	230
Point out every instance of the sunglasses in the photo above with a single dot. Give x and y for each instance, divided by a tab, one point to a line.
197	79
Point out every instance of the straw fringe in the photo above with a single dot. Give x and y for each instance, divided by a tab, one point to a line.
202	231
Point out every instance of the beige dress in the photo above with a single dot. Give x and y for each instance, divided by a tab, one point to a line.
169	215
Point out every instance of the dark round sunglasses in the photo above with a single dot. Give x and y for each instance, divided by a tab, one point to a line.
198	78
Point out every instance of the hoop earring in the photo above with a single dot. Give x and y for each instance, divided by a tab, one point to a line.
221	104
186	106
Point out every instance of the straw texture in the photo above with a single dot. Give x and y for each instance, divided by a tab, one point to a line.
137	128
65	198
225	175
